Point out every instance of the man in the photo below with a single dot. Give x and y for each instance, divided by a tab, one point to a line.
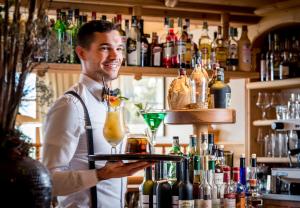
65	146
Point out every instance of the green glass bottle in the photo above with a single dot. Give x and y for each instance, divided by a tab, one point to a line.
175	150
147	189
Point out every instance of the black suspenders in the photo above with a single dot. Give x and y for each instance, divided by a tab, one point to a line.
90	144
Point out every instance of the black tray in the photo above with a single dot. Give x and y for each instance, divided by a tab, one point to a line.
140	157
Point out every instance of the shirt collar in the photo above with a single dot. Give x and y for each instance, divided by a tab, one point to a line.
93	86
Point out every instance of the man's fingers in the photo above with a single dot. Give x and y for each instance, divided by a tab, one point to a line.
137	164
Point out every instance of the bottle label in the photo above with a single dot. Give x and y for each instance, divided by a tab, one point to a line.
198	202
247	54
233	51
219	179
221	54
145	201
156	56
228	99
154	201
132	53
229	200
168	49
181	47
186	203
216	203
175	201
206	204
241	201
188	53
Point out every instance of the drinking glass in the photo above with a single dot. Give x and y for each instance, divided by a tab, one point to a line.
114	128
263	102
153	118
260	139
268	146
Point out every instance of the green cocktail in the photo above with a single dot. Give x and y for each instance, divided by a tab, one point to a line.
153	120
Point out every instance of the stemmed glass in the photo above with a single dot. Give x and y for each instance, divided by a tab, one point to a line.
263	102
153	118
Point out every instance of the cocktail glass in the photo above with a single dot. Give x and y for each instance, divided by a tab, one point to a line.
153	118
114	129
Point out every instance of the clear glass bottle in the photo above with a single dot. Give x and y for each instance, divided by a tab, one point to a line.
199	87
180	44
232	55
156	51
206	187
229	190
205	46
134	44
244	49
216	202
144	46
221	49
123	37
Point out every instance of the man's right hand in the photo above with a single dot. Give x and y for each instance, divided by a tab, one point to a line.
120	169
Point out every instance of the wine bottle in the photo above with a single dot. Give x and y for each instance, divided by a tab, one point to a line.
147	189
156	180
175	186
186	188
197	192
163	190
192	151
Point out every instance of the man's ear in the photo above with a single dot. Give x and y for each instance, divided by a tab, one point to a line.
81	52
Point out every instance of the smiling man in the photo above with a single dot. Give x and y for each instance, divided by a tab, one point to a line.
66	134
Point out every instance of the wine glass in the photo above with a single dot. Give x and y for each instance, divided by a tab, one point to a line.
275	100
263	102
114	128
153	118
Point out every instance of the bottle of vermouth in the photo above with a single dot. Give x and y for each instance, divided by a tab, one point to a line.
186	188
175	186
197	192
134	44
156	51
147	189
192	152
220	93
163	190
156	181
229	191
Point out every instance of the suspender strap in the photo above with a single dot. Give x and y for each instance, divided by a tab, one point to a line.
90	143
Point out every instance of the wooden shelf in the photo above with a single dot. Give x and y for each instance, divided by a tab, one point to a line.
275	159
138	72
201	116
263	122
277	84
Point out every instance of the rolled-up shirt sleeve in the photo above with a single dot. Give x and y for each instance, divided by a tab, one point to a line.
62	129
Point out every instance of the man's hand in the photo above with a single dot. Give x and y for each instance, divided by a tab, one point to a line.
120	169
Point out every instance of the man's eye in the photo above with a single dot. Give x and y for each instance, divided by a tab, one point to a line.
104	48
120	49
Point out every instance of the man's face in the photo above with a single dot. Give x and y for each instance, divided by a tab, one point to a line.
104	57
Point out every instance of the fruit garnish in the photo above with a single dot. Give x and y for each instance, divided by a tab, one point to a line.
114	101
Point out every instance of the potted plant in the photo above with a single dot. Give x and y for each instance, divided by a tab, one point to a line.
24	181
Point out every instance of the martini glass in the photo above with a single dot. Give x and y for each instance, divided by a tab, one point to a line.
153	118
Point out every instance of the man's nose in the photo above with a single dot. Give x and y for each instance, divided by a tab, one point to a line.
113	53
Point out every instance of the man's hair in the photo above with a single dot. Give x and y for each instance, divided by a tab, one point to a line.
85	34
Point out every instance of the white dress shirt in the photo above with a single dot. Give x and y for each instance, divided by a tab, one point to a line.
65	149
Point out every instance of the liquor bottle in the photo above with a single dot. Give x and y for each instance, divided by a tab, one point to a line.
175	150
144	45
205	46
147	189
186	188
94	15
213	61
181	44
169	56
270	58
216	202
156	51
127	30
243	170
199	87
219	175
277	57
71	32
220	93
232	56
294	57
264	75
156	181
229	191
239	189
253	196
134	44
123	37
175	186
189	44
60	29
221	49
204	144
191	154
104	17
244	51
210	143
197	192
284	65
163	190
206	187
